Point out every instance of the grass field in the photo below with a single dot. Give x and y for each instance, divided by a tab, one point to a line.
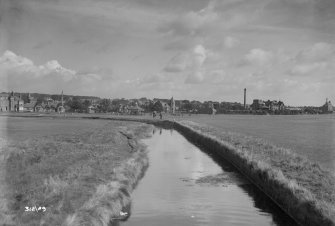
77	173
301	187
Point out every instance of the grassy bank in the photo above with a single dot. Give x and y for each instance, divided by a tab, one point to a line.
85	176
301	188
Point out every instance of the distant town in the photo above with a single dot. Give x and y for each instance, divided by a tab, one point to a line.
61	103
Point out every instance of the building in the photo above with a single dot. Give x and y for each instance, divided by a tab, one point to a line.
40	107
269	105
61	108
4	103
166	106
135	110
11	103
294	110
230	106
172	106
275	105
327	107
259	105
245	98
91	109
30	105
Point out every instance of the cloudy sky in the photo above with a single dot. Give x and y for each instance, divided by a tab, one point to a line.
189	49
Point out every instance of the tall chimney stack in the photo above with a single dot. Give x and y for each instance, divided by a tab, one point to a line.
245	97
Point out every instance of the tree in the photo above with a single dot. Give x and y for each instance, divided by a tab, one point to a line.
76	105
187	106
56	97
39	100
105	105
149	107
157	106
86	104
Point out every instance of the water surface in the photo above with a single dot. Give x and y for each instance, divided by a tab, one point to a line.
174	190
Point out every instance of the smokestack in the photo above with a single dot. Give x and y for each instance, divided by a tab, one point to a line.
62	98
245	97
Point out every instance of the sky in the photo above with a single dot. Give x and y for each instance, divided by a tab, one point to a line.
188	49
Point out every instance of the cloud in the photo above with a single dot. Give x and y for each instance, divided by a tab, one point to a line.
318	59
22	74
230	42
189	62
191	59
317	53
154	79
178	63
14	64
258	57
190	23
194	77
325	12
199	56
303	69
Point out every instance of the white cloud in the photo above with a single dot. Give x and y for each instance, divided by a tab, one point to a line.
22	74
189	62
192	59
10	59
15	64
199	56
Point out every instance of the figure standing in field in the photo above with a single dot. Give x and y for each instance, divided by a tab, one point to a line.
213	111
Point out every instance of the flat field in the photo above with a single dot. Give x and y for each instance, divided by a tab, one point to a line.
61	164
311	136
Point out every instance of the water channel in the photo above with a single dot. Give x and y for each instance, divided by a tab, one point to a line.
185	186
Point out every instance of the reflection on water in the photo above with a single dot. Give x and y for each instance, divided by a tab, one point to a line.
169	193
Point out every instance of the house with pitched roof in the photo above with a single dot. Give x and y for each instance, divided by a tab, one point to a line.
9	102
327	107
30	105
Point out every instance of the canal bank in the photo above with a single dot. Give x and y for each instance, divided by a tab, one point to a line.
300	187
68	172
187	186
